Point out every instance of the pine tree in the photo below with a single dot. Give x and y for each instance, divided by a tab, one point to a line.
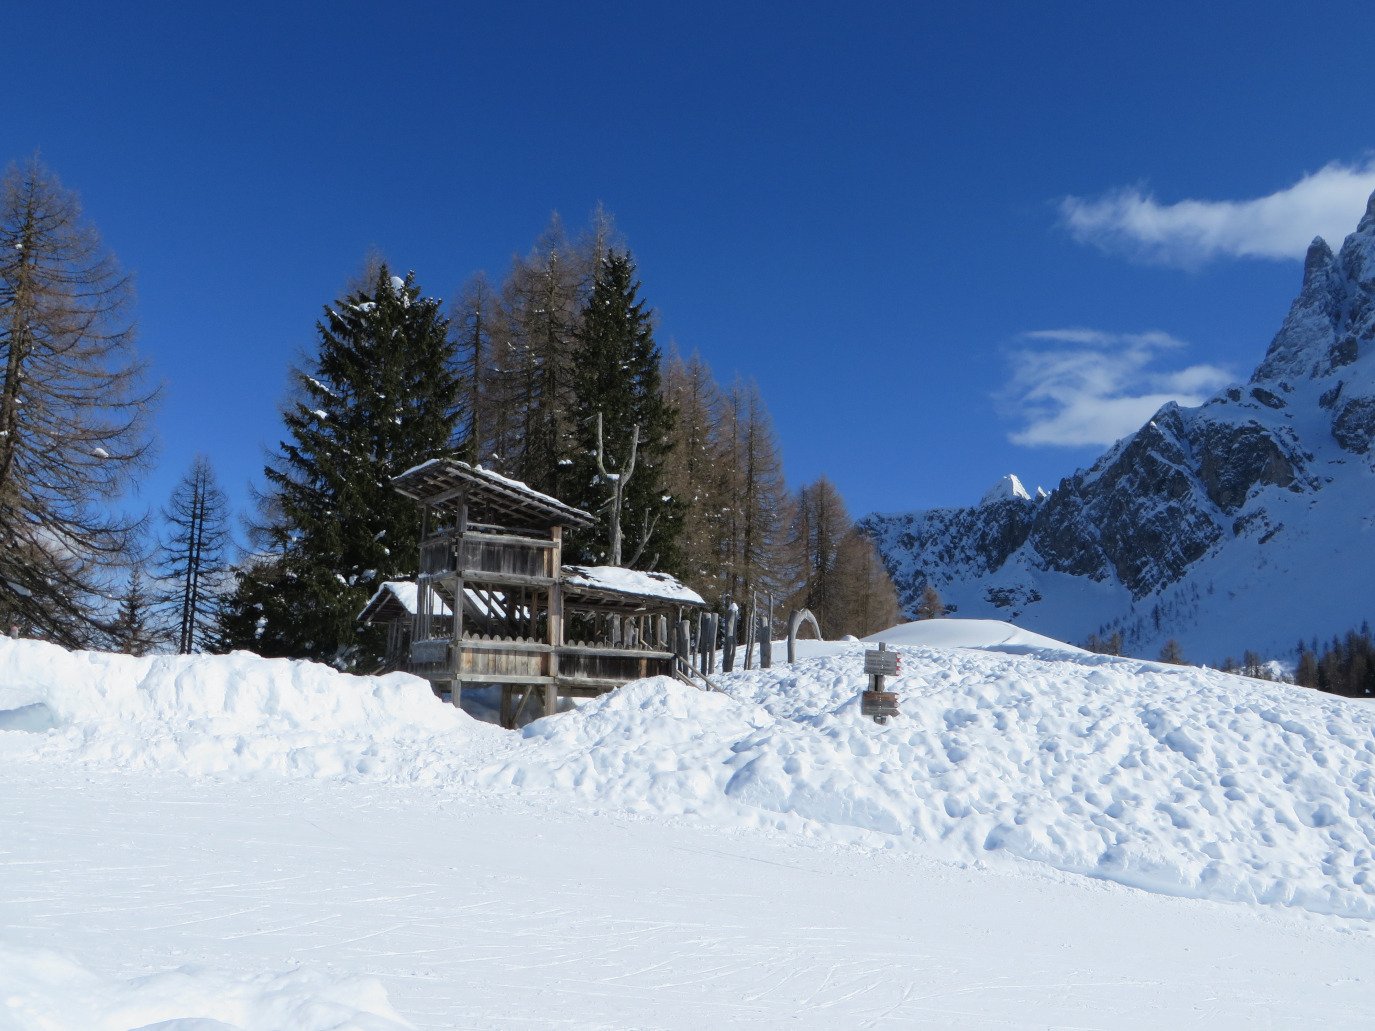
382	394
616	385
72	412
133	631
192	557
476	318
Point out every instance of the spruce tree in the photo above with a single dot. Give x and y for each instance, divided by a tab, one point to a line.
134	631
617	376
382	394
192	557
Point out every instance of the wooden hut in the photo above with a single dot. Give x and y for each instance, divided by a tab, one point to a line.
527	623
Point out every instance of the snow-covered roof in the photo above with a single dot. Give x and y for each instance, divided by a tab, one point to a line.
633	582
406	594
487	493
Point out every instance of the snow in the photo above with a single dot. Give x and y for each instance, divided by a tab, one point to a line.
1008	488
971	633
408	594
659	586
42	988
211	837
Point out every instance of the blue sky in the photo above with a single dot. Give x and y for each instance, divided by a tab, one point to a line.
949	241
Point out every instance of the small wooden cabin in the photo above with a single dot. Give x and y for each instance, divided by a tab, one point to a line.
527	623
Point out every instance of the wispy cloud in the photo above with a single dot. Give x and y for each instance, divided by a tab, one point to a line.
1326	203
1078	387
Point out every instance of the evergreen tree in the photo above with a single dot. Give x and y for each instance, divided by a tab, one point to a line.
192	557
616	384
72	412
133	631
382	394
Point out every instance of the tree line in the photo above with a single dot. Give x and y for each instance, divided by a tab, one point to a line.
553	376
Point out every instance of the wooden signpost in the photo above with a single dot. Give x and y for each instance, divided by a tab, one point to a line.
877	702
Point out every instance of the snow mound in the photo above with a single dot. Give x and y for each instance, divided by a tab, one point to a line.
1172	779
40	988
231	715
988	634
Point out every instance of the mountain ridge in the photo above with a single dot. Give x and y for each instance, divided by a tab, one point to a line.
1242	523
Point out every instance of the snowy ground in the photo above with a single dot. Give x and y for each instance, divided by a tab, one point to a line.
271	845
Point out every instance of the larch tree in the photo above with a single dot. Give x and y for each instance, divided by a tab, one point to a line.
382	394
535	355
620	410
73	410
193	558
930	606
692	470
868	597
820	525
755	504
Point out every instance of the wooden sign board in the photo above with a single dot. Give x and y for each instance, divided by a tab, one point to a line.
881	663
430	653
878	703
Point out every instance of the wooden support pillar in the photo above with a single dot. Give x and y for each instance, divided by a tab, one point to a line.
555	621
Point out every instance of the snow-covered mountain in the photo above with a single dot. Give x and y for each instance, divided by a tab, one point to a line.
1247	522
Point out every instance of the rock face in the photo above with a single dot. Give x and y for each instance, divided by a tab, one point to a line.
1247	522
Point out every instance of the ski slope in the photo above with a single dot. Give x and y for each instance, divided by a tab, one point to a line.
267	843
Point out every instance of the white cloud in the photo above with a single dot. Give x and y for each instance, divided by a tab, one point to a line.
1327	203
1079	387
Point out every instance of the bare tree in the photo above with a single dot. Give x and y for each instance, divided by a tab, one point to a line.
618	481
930	606
72	411
192	559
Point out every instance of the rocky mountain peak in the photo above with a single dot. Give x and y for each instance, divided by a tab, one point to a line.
1009	488
1195	524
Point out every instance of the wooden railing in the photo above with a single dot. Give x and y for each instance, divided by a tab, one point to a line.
496	554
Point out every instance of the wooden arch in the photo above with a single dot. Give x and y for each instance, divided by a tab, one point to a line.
796	621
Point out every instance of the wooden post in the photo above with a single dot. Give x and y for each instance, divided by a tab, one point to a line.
683	645
728	638
555	622
456	692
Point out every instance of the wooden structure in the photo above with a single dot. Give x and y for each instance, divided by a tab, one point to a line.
526	622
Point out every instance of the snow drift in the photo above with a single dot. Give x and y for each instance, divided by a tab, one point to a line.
1172	779
42	989
232	715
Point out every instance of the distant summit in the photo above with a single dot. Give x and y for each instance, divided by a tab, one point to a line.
1008	488
1247	522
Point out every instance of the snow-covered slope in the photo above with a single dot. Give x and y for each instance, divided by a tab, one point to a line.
1244	523
1169	778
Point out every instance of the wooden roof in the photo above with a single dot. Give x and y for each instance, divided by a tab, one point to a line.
491	497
